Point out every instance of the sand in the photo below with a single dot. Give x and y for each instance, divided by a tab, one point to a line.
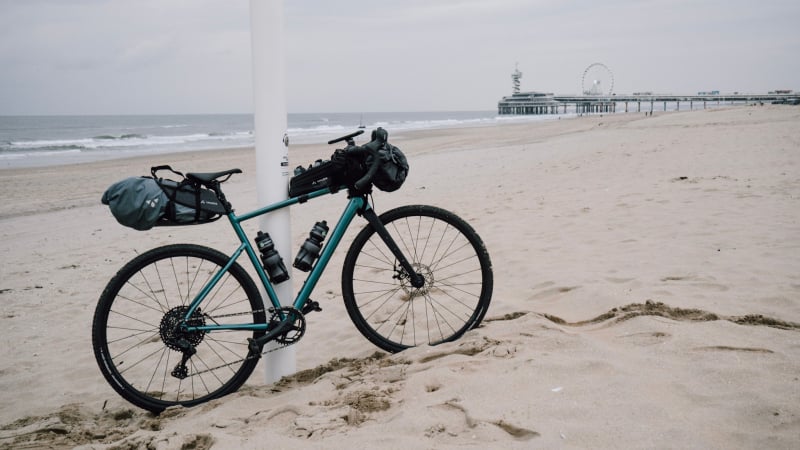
647	295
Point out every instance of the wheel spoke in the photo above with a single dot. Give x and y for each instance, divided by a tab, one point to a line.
139	338
448	254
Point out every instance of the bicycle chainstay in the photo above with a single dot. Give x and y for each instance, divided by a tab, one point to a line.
282	338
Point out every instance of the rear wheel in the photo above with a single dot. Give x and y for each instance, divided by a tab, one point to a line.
137	337
450	255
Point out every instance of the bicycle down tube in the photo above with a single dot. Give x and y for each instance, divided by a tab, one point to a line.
354	205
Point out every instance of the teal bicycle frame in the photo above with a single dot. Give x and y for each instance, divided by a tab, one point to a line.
357	205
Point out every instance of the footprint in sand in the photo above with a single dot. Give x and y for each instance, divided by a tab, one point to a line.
551	291
517	432
646	338
725	348
706	283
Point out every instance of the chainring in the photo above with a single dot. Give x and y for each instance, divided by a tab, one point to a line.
295	331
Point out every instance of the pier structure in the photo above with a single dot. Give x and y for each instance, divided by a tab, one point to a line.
527	103
596	99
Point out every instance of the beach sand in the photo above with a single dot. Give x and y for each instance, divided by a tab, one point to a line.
646	295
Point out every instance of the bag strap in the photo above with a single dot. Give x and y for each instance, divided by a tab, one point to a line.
155	169
184	182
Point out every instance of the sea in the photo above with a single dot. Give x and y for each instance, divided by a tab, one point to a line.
35	141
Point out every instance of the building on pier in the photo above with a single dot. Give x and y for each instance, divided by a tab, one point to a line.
526	102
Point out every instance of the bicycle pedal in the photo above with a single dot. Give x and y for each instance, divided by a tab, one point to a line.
310	306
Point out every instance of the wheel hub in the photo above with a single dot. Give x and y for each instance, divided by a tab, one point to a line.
173	332
426	273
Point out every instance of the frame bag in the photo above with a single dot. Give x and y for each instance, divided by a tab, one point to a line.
317	176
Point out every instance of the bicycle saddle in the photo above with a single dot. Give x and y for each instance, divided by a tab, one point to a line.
211	176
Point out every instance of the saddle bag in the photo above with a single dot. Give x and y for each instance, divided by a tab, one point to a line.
144	202
189	204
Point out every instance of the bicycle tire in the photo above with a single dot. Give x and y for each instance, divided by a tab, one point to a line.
383	305
134	337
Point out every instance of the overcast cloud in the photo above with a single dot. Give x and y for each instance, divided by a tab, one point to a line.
193	56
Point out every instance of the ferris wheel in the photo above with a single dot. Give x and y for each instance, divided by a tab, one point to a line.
598	80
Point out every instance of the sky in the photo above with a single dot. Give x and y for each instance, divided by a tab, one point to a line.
193	56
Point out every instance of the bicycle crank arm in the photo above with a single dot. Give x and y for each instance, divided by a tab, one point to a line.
416	279
255	345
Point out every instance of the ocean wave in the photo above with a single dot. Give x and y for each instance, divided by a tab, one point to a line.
92	138
109	142
64	151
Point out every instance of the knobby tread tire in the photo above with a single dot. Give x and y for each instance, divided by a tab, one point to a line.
130	338
446	250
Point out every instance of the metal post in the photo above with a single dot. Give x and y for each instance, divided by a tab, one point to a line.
272	150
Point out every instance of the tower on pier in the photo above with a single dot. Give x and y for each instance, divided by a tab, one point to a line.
515	79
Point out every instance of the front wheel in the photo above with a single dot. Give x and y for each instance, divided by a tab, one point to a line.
440	246
137	332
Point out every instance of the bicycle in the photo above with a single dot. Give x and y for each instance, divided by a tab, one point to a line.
183	324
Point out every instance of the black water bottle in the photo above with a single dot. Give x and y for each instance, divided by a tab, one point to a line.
273	263
309	251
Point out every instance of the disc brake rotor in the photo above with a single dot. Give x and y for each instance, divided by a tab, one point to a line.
412	292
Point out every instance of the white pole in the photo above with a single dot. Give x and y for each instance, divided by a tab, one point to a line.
272	151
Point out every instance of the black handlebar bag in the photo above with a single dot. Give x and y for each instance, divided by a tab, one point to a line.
393	168
347	166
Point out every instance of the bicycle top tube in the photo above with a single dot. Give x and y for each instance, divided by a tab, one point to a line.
283	204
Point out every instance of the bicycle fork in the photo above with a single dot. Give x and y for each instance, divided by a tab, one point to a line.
416	280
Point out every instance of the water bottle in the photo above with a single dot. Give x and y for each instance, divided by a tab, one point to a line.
273	263
309	251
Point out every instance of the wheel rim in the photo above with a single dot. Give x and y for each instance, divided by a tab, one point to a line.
395	315
142	336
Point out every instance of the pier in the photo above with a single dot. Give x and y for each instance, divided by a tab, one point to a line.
598	98
534	103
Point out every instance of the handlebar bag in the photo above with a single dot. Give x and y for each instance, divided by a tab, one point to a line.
393	168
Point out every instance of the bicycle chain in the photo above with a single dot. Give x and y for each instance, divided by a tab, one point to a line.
248	358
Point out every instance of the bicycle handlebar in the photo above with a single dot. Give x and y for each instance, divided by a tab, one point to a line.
347	138
379	138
